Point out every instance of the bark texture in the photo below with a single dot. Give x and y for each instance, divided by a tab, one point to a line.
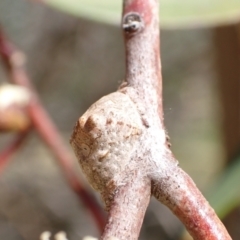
122	146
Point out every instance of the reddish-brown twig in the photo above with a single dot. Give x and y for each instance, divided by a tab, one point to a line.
123	148
14	63
6	154
171	185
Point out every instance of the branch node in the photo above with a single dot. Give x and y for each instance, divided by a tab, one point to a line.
132	23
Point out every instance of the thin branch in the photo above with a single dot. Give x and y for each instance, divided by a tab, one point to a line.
171	185
140	25
14	63
177	191
127	210
123	134
6	154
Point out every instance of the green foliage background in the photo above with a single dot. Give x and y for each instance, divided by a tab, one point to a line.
173	13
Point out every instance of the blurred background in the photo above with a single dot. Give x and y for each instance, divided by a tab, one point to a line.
75	55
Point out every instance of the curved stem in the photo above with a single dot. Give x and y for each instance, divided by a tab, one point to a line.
127	210
178	192
14	61
6	154
53	140
171	185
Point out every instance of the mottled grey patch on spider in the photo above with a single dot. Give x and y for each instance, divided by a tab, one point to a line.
132	23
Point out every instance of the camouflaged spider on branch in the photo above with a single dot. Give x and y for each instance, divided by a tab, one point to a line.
106	138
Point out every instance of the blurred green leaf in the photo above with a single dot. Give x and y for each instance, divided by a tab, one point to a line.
225	195
174	13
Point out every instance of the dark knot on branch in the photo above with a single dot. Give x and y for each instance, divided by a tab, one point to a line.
132	23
